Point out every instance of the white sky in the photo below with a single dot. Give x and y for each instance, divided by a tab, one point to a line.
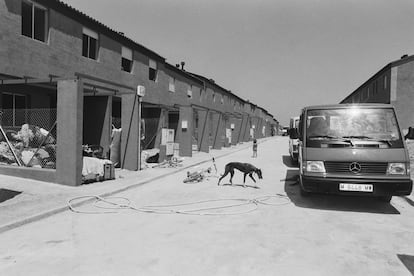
280	54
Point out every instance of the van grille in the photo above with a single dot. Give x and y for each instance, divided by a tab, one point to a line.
366	167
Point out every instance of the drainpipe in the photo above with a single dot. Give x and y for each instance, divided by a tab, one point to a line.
140	94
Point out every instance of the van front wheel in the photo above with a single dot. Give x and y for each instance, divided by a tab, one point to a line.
302	191
386	198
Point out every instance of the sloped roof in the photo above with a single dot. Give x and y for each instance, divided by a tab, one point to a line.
71	12
404	59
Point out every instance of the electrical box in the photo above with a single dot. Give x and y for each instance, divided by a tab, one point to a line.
184	125
140	91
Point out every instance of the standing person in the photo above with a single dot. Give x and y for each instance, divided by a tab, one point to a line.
254	148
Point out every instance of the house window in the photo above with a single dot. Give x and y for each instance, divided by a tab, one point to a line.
190	91
34	21
385	82
152	70
126	61
13	109
222	100
90	44
368	92
171	84
214	97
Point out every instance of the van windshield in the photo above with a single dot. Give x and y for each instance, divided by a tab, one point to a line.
353	124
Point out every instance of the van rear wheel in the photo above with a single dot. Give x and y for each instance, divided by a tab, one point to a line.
386	198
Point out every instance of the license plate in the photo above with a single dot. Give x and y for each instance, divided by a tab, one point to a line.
356	187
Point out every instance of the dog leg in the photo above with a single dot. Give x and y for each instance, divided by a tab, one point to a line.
231	176
225	173
251	176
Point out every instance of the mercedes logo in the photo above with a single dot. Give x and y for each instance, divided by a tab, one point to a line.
355	167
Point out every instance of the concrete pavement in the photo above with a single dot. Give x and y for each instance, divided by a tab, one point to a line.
39	199
316	235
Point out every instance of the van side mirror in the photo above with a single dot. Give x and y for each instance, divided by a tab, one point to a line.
300	129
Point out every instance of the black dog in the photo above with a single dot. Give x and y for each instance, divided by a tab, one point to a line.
246	168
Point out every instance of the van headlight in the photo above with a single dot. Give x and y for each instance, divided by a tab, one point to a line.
396	168
314	166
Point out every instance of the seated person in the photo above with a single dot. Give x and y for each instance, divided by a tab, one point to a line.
318	127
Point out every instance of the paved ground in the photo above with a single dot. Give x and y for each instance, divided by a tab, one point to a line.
37	199
288	235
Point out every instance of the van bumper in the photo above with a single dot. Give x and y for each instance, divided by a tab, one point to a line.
381	187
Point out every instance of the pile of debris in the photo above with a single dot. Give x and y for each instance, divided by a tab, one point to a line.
31	146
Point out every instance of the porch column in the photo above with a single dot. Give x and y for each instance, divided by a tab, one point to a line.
69	132
184	130
235	131
227	131
203	131
219	133
247	125
129	145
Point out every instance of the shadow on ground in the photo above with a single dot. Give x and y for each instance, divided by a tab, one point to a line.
6	194
288	162
408	200
333	202
240	185
408	261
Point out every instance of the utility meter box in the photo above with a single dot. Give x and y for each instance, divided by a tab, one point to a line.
167	140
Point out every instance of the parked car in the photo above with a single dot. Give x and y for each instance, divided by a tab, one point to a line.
293	139
353	150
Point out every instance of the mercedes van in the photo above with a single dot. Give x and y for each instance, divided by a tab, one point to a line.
353	149
293	139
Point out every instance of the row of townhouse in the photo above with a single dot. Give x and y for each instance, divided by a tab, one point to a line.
393	84
67	80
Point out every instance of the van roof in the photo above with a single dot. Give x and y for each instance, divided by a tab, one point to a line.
345	106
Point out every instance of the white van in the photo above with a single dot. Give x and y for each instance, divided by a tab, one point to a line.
293	138
353	150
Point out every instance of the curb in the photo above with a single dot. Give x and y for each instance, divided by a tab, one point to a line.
60	209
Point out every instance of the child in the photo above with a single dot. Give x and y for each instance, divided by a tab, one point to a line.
254	148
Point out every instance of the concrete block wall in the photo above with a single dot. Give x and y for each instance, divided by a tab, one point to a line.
61	55
403	100
393	84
